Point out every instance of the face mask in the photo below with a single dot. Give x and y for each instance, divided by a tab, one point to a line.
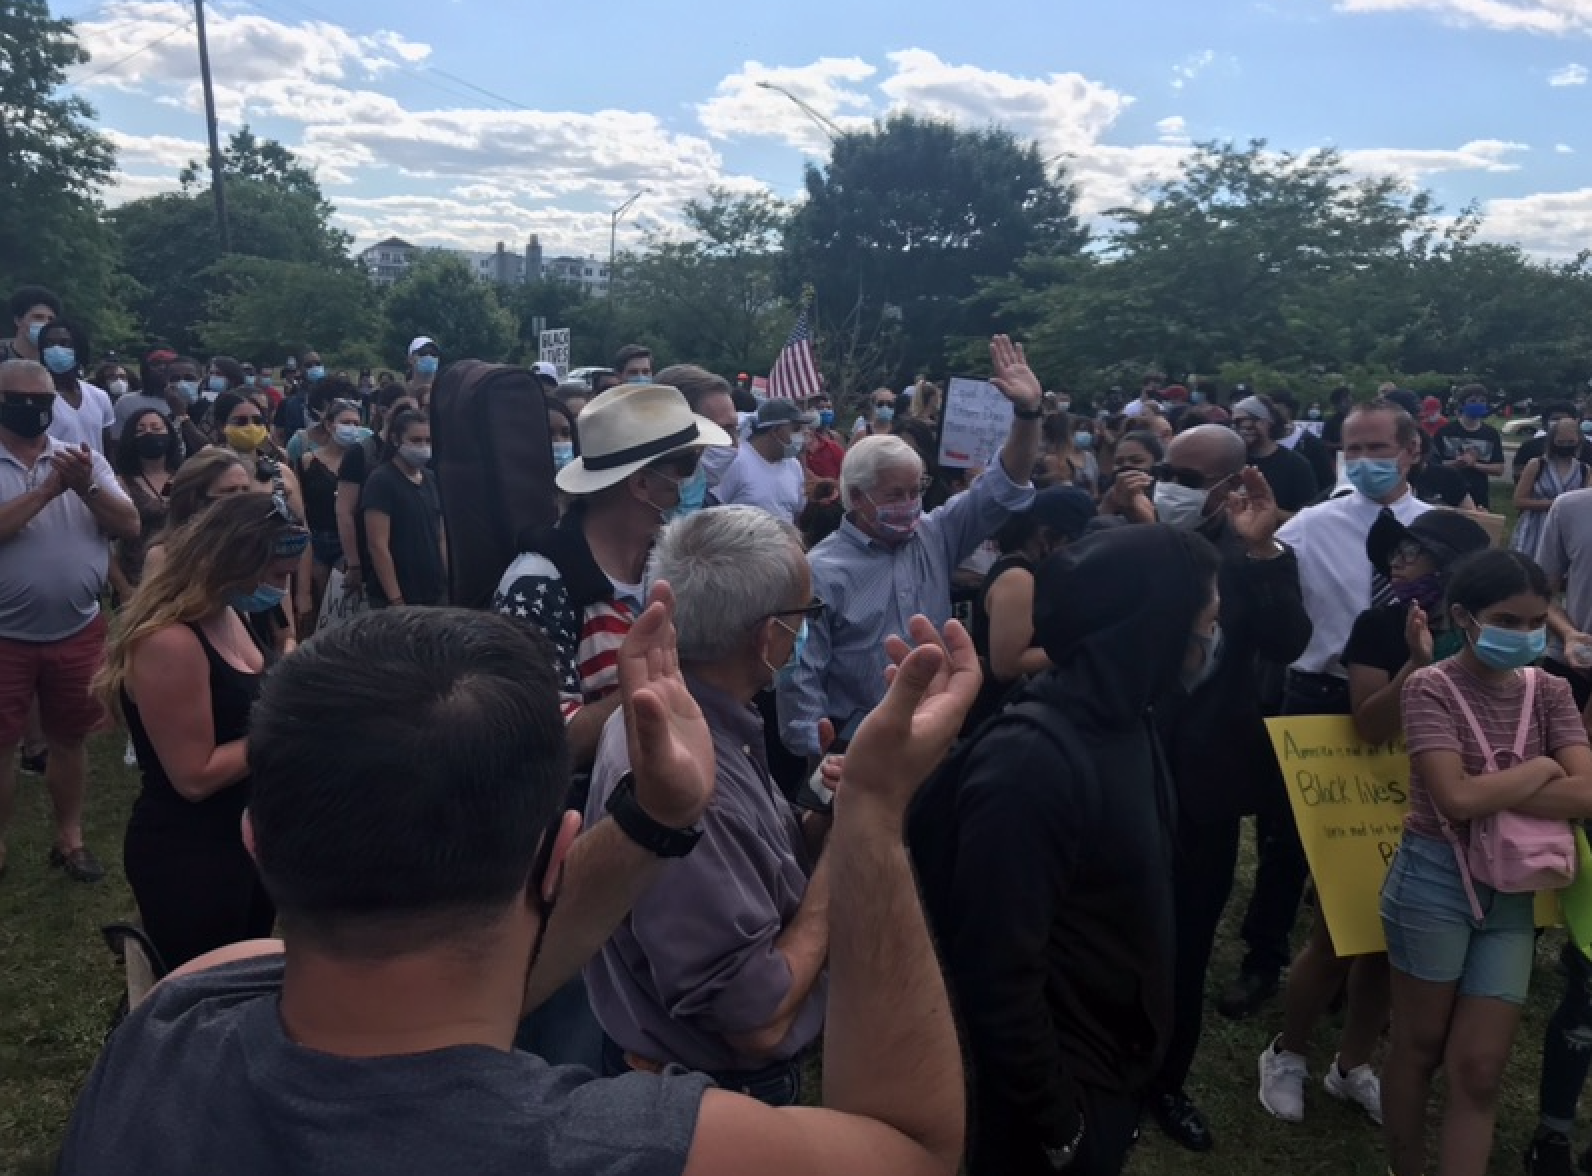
1083	440
59	360
248	381
217	385
1586	428
415	455
1474	412
315	373
563	454
1569	450
1426	591
1509	649
34	331
118	389
884	414
794	447
262	599
245	438
27	416
785	671
639	379
426	365
188	389
1375	477
826	417
1211	643
347	435
715	460
693	493
898	521
152	445
1314	414
1182	507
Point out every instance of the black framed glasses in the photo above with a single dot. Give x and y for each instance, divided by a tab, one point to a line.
1190	479
814	609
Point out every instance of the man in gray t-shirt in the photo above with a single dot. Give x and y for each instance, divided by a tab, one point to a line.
1565	554
58	505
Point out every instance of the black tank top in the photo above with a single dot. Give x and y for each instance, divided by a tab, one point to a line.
999	568
319	486
232	695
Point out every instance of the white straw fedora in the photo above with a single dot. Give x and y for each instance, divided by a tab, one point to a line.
629	427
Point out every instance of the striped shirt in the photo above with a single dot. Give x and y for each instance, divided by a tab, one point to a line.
1432	722
873	590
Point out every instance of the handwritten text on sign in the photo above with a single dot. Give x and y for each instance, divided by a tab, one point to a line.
1349	798
976	420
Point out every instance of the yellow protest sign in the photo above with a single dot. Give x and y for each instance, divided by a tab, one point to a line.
1349	798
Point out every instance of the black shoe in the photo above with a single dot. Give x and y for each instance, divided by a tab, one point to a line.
1245	995
1549	1155
34	765
1181	1120
79	864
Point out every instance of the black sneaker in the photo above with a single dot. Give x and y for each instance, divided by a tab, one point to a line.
1177	1115
34	765
1549	1155
1246	994
79	864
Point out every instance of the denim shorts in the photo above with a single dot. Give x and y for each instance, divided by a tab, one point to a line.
1432	935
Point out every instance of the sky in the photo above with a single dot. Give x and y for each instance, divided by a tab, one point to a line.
468	122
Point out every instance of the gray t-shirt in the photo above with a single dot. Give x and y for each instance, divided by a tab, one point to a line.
53	571
1566	553
201	1079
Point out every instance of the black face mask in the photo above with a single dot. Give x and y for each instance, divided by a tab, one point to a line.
1563	450
27	416
152	445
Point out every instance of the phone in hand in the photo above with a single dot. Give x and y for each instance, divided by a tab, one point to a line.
815	795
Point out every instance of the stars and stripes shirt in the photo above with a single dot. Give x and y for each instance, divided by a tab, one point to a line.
533	593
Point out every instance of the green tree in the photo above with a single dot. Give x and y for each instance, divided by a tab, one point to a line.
263	309
53	166
904	221
171	247
441	298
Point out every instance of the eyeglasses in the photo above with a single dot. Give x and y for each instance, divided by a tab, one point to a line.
1408	551
1189	479
814	609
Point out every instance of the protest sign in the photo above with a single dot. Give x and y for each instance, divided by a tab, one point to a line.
1349	798
553	348
973	423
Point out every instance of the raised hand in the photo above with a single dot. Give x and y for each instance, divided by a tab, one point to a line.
1418	636
1252	509
1013	376
1130	496
906	736
671	751
75	468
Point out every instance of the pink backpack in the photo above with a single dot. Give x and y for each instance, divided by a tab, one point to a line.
1511	852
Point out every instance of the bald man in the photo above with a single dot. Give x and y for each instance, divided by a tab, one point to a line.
1215	736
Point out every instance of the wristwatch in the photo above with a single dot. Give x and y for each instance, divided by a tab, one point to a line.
1027	414
93	489
637	825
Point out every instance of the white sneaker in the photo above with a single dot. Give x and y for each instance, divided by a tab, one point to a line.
1282	1083
1360	1085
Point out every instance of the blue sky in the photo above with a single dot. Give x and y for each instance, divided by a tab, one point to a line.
585	104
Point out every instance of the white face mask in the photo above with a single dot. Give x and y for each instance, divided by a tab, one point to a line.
1180	506
117	389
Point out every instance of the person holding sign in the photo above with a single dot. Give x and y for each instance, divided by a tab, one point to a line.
1487	734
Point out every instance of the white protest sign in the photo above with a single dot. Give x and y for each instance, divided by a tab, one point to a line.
554	349
976	420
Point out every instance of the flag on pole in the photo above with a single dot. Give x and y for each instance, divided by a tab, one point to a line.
795	374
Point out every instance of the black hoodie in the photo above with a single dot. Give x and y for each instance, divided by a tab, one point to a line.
1046	863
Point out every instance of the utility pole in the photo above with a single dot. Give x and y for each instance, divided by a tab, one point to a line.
217	186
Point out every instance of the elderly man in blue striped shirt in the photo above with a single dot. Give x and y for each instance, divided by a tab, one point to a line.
889	561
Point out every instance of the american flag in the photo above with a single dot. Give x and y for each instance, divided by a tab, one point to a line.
795	374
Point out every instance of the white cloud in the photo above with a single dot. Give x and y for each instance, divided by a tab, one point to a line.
1550	224
1173	130
1570	75
1191	67
1414	164
1549	17
744	105
1563	149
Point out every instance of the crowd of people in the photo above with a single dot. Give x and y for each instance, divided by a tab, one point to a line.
586	880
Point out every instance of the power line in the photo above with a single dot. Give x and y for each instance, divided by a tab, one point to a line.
121	61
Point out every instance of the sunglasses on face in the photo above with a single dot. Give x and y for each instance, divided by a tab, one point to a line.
1189	479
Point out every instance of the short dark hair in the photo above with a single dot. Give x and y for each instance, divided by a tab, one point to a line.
1405	428
398	426
1472	391
1146	440
330	389
1560	408
77	333
604	380
696	384
1484	578
404	768
629	352
128	462
25	298
230	368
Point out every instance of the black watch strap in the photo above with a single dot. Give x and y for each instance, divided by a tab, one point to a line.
1027	414
653	837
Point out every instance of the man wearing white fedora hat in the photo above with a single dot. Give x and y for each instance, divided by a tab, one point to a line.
580	583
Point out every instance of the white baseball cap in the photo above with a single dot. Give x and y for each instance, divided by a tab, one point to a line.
420	341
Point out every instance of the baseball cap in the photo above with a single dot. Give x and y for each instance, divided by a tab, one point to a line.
420	341
773	413
545	370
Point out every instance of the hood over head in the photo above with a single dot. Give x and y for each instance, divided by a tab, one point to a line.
1114	612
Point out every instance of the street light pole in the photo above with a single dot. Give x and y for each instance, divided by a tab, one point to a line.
823	122
613	237
217	185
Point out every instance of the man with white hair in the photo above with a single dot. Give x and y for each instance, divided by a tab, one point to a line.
889	560
719	967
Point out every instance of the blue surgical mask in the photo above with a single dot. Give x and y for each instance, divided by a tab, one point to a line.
34	331
1509	649
415	454
347	435
189	390
1083	440
59	360
563	454
826	417
315	373
884	414
426	365
262	599
1375	477
794	447
1475	412
639	379
248	381
785	671
218	384
693	496
1314	414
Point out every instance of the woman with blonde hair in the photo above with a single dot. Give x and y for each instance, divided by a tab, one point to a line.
927	400
208	475
182	639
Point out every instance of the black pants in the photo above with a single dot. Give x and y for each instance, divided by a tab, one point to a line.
196	886
1281	868
1567	1049
1580	682
1003	1146
1207	855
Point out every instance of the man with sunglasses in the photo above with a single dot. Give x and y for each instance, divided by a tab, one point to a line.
721	966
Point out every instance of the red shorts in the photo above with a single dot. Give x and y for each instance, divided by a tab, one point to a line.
58	674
